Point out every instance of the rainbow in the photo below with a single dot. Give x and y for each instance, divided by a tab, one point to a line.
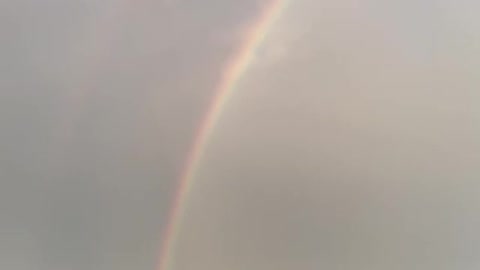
234	71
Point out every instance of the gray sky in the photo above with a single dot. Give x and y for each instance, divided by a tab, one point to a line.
351	143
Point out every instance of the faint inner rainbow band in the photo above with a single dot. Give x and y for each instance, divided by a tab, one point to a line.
231	75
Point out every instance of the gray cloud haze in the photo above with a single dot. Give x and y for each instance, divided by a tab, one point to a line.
352	142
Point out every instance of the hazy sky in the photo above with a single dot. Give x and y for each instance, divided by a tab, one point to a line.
352	142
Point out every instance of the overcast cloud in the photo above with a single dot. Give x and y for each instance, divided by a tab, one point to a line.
352	142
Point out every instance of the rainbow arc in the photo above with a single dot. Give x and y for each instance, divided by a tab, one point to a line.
231	75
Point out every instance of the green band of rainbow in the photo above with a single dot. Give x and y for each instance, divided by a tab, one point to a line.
229	79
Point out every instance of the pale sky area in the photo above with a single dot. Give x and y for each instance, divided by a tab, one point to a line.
352	141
